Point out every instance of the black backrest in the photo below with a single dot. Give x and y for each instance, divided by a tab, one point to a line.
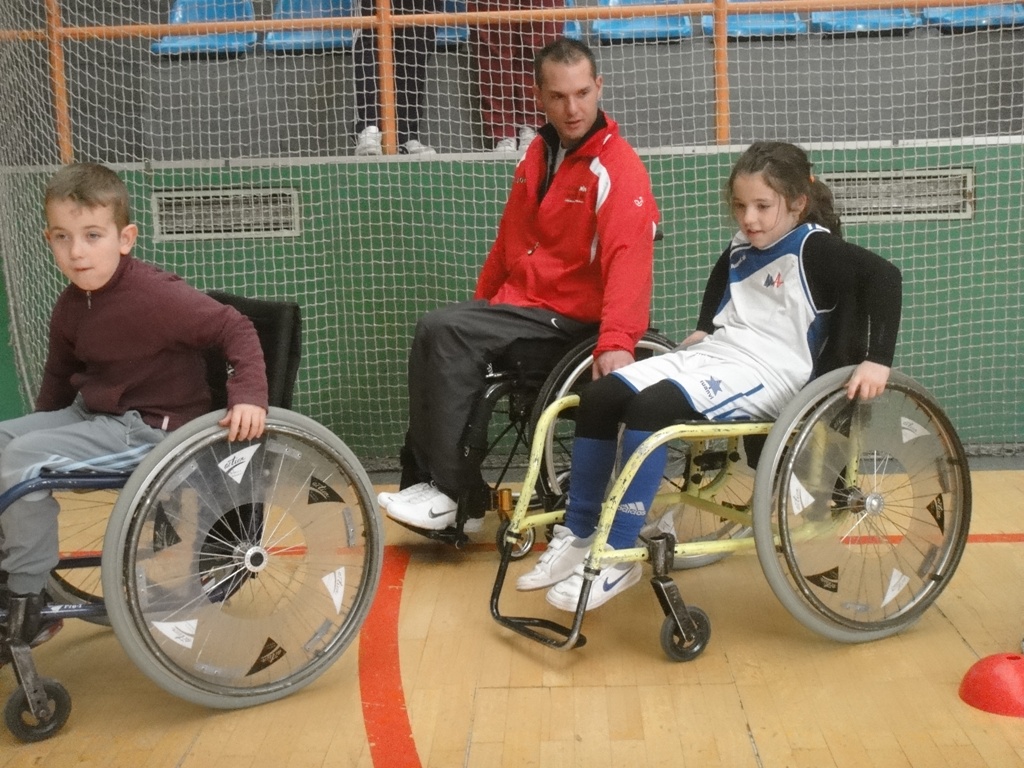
279	326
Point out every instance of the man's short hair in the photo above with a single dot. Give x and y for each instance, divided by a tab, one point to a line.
564	50
91	185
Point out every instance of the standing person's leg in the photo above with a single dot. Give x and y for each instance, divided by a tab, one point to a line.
493	51
450	351
411	50
367	86
529	38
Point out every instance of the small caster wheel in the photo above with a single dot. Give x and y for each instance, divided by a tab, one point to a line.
673	643
27	727
521	548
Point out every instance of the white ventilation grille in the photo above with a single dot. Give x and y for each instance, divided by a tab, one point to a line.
903	195
212	214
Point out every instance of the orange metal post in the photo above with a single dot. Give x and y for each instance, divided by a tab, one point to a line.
386	64
722	128
58	81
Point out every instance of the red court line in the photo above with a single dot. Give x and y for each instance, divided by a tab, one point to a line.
995	538
380	678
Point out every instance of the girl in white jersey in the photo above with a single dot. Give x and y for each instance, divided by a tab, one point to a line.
787	300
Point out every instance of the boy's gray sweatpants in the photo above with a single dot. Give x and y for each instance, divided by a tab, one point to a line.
65	440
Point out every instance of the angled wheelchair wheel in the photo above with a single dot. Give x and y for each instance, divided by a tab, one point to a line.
236	573
571	373
82	524
861	509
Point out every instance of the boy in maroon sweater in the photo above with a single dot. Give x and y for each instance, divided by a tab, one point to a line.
125	366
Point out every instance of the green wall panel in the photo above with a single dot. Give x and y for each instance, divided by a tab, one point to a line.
381	243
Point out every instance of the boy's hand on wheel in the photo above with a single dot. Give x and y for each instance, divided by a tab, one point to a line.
244	422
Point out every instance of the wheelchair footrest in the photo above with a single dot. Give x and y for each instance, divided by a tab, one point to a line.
450	535
554	635
561	637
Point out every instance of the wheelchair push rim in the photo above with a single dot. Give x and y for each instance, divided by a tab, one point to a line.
242	571
861	510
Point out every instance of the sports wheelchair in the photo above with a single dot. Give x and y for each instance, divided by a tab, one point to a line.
233	574
859	513
518	387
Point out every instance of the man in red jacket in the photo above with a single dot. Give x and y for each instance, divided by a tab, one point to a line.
574	249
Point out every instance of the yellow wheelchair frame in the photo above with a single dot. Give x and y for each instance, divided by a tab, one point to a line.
859	512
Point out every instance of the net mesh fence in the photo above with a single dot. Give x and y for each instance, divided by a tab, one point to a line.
237	127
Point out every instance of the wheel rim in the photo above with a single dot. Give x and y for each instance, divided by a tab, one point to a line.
866	513
242	567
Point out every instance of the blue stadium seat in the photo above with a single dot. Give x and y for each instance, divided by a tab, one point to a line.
757	25
456	34
193	11
641	29
968	19
573	28
300	40
864	21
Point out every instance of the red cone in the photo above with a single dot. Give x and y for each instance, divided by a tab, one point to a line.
996	684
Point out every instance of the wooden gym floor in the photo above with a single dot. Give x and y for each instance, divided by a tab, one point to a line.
434	681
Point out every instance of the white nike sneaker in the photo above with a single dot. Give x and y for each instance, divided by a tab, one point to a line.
565	551
431	510
611	581
406	494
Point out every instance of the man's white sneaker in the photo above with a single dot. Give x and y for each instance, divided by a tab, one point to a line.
369	141
431	510
406	494
565	551
505	145
611	581
414	147
526	135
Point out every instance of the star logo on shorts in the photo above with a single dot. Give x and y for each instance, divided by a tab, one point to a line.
712	386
